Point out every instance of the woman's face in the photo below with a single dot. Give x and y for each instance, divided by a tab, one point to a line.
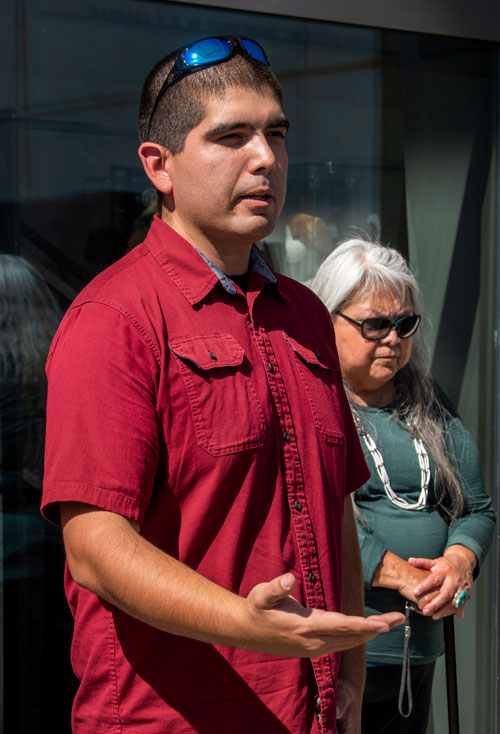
370	366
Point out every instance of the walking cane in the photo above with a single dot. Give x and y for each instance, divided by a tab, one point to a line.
451	675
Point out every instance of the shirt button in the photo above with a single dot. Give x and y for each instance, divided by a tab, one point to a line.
286	436
311	577
297	505
270	365
212	355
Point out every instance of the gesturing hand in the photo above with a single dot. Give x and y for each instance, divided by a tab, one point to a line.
283	626
450	573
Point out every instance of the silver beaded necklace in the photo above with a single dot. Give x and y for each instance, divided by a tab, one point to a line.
423	461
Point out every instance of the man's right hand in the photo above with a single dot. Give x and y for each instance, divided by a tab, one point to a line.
108	556
284	627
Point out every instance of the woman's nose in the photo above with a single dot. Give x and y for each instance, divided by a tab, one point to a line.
392	337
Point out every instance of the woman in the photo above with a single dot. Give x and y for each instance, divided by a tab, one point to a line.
424	520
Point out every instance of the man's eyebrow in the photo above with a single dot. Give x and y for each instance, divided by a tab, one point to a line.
280	122
223	128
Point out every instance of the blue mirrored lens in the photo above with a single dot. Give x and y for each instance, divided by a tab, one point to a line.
207	51
254	49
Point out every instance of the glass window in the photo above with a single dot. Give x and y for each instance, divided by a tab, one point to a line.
392	134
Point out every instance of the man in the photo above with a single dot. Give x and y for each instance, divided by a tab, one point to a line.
200	447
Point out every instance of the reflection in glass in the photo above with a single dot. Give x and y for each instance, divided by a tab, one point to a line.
31	552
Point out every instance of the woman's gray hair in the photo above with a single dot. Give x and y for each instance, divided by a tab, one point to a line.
358	267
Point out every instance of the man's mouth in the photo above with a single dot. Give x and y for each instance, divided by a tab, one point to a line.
258	195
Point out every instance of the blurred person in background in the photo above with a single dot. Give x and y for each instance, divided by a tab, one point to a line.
35	618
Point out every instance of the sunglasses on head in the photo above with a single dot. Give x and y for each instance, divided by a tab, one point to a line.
378	327
204	53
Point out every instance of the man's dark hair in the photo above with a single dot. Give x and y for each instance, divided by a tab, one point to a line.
183	105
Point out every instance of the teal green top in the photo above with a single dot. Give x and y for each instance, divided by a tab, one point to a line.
420	533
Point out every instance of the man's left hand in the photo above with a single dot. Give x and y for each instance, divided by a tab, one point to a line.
348	708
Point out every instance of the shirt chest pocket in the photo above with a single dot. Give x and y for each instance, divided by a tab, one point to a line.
321	376
227	414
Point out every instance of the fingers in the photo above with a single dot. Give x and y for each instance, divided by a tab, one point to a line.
445	578
448	607
349	632
431	583
425	563
270	594
389	620
443	604
435	579
373	625
444	611
283	626
425	599
342	632
438	603
445	587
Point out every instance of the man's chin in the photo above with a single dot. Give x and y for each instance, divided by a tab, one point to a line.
259	230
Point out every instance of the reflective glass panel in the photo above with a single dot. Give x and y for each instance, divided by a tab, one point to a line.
392	134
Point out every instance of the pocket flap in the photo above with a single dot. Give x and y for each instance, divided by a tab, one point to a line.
312	356
209	351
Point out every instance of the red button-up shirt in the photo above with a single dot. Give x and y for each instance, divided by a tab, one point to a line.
217	420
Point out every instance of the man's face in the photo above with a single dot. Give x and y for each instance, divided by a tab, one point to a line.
229	181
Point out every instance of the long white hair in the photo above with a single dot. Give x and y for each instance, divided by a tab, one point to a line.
357	268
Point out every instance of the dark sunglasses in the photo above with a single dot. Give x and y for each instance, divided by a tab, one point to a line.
204	53
378	327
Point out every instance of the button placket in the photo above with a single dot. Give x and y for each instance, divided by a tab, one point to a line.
297	499
294	480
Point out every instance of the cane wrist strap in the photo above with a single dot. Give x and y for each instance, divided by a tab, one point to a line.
406	671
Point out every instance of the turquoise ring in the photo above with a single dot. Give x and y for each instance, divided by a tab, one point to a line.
459	598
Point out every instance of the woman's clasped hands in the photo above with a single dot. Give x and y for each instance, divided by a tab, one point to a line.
446	586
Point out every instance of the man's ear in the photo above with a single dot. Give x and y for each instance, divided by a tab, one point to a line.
155	158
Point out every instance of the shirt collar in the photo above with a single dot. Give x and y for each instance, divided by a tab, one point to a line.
187	266
256	263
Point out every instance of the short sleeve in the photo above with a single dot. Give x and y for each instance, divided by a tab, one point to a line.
102	428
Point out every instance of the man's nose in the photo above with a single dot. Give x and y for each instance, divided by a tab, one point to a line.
263	157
